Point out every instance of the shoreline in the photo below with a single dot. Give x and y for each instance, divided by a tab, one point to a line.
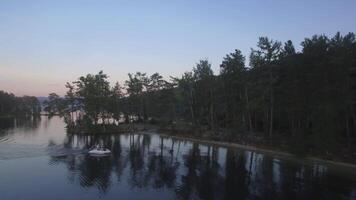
277	153
154	129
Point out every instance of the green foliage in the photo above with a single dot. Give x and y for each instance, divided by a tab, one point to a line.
54	105
12	105
305	99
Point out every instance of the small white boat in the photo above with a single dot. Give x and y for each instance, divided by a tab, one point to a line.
99	151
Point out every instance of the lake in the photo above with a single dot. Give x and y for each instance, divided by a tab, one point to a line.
39	160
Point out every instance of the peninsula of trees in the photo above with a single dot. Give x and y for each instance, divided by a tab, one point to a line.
301	99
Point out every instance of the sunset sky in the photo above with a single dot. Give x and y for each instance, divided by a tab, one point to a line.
44	44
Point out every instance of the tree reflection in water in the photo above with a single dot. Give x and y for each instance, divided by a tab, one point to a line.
196	171
24	125
28	123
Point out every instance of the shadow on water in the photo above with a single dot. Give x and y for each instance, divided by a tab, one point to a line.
197	171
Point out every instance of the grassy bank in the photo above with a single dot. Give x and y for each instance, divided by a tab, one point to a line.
110	128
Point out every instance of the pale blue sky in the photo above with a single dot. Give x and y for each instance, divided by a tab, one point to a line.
45	43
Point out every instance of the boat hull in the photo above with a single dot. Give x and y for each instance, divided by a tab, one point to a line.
99	152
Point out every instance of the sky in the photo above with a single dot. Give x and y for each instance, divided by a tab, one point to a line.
44	44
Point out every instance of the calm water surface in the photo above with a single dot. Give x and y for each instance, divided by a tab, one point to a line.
38	160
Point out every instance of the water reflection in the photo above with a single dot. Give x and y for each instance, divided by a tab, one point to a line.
28	123
11	126
149	166
196	171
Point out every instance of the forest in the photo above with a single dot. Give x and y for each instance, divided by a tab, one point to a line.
11	105
301	100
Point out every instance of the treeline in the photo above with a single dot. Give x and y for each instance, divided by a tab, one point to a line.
306	98
11	105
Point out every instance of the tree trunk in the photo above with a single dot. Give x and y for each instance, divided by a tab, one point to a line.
191	106
271	121
353	116
211	111
348	136
272	102
248	110
243	120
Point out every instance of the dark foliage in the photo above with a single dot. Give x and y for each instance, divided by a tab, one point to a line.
10	105
304	100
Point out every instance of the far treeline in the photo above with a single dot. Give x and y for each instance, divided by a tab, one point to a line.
11	105
305	100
